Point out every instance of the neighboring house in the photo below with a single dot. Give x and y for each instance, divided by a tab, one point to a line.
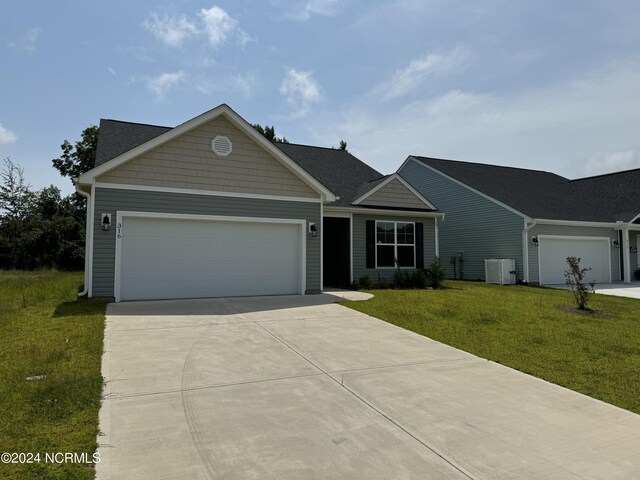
537	218
212	208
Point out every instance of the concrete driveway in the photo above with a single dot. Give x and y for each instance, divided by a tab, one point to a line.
629	290
302	388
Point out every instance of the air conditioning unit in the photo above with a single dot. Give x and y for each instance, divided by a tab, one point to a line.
500	270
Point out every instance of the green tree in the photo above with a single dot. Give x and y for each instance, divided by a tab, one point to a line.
79	158
38	229
269	132
343	145
14	192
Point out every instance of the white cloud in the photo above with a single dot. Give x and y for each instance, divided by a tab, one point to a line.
172	31
301	92
164	82
578	128
27	42
304	11
112	71
6	136
214	24
406	80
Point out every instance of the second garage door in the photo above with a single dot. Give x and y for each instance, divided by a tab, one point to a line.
189	258
593	252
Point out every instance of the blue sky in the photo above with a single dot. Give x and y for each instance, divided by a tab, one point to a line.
550	85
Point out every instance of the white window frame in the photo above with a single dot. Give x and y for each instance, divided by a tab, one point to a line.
395	243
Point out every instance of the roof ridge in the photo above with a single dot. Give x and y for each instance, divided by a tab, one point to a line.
490	165
605	174
314	146
135	123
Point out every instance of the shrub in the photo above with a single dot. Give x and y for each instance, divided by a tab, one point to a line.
419	279
401	279
435	275
575	279
365	282
382	283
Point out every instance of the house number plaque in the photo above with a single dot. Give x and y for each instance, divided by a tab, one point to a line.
119	230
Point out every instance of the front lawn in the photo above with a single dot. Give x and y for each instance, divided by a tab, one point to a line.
526	328
45	330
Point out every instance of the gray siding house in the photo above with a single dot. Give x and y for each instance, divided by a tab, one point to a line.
536	218
211	208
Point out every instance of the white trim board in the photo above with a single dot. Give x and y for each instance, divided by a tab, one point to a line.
335	211
389	179
213	193
214	218
221	110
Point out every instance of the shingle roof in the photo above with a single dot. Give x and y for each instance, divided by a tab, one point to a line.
539	194
342	173
338	170
116	137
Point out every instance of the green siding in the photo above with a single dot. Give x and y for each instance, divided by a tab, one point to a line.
109	200
360	245
473	224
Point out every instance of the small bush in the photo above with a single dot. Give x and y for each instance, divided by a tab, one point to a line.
435	275
575	279
419	279
382	283
401	279
637	274
365	282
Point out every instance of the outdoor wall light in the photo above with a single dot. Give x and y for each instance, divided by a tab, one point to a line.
106	221
534	240
615	243
313	230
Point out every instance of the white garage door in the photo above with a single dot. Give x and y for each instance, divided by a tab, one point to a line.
593	252
190	258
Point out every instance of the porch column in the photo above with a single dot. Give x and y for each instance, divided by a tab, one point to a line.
626	255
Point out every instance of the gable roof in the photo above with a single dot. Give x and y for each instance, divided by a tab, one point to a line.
171	133
404	185
116	137
340	172
545	195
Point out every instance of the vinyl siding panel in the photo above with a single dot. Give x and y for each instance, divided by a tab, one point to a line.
394	194
473	224
109	200
360	245
573	232
189	162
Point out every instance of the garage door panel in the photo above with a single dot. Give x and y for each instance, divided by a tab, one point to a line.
175	258
593	253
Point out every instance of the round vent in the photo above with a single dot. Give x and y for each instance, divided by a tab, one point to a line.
221	146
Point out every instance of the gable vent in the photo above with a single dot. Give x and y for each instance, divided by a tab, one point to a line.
221	146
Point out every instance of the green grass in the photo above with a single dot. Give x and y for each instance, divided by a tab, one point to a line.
526	328
45	330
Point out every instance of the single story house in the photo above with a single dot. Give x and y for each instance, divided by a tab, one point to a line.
537	218
211	208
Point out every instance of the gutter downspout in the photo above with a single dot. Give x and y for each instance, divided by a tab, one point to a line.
525	248
86	195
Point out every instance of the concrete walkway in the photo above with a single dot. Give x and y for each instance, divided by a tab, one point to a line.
629	290
301	388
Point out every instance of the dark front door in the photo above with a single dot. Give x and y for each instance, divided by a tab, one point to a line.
337	256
